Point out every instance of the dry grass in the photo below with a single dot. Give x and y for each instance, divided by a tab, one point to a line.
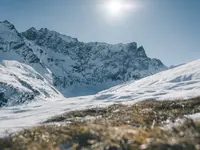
117	127
140	114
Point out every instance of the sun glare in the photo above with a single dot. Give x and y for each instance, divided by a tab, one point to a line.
116	8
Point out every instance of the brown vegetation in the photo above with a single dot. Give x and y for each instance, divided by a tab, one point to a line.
117	127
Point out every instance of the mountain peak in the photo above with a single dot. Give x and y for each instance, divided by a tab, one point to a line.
32	29
8	32
8	24
31	34
6	21
141	51
46	30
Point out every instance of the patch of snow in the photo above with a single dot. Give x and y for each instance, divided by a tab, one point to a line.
195	117
19	117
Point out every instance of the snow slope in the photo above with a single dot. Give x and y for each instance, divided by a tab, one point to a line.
181	82
20	83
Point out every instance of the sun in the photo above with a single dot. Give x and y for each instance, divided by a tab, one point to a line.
115	7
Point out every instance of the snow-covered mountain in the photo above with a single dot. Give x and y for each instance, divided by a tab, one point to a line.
73	67
75	63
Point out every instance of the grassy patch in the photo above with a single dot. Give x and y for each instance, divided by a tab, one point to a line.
140	114
117	127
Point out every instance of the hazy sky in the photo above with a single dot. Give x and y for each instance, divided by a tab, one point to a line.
168	29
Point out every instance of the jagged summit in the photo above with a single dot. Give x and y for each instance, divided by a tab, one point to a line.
8	32
7	23
73	67
33	34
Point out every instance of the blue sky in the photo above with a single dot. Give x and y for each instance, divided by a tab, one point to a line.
168	29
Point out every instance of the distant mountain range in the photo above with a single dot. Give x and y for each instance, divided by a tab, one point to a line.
46	65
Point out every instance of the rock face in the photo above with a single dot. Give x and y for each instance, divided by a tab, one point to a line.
68	64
